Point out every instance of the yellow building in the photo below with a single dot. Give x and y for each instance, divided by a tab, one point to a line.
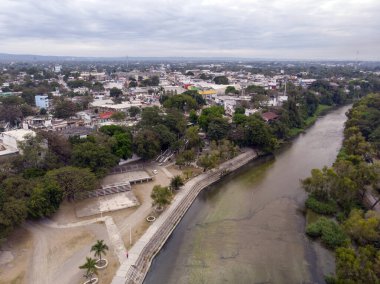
207	92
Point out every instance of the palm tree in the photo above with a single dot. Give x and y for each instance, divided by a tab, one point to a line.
99	248
90	267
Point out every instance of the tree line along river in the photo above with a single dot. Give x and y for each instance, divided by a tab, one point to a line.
249	228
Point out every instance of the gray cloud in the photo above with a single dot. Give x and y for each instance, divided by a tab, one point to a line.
239	28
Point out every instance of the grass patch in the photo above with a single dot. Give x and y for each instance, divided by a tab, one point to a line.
295	131
330	233
312	217
322	109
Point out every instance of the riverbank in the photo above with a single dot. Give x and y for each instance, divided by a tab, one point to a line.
135	268
321	110
136	265
342	214
249	228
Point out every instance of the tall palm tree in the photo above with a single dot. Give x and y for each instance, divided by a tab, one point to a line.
99	248
90	267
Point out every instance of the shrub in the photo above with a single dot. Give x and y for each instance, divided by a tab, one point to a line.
333	236
330	232
330	279
314	230
325	208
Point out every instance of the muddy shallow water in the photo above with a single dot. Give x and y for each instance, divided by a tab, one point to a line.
249	227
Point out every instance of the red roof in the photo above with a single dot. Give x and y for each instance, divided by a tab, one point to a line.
268	116
106	115
185	86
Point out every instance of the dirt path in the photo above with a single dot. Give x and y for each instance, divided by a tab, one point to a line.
38	272
59	245
113	232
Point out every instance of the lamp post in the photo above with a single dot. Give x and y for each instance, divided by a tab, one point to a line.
130	235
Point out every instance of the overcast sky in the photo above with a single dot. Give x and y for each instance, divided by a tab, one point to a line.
303	29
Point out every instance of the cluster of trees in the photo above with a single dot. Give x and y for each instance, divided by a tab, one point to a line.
203	76
13	109
158	130
365	116
221	80
330	94
303	107
187	101
338	193
78	84
219	152
115	92
64	108
36	192
181	102
231	90
51	168
163	195
152	81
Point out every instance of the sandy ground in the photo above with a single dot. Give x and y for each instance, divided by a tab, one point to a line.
132	221
20	245
42	254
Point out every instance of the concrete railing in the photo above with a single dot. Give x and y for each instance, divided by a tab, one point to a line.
134	270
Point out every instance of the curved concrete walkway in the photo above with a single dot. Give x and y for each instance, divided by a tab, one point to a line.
134	268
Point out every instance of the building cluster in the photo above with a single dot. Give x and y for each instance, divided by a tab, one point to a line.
119	91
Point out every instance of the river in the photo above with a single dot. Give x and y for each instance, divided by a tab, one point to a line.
249	228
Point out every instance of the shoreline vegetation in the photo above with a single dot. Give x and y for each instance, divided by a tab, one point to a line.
337	209
320	111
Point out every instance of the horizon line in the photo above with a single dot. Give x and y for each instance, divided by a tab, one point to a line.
127	57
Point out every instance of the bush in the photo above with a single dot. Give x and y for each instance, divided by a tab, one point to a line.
330	232
314	230
333	236
330	279
325	208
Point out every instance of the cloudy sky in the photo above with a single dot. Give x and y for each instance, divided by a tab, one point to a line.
283	29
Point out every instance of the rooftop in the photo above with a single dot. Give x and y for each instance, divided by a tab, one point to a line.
19	134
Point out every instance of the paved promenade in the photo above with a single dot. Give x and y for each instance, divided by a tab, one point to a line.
134	268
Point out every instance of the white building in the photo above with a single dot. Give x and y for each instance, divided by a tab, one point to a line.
42	101
109	105
57	68
11	138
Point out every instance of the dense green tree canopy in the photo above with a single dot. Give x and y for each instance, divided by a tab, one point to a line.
115	92
96	157
72	180
64	109
147	144
221	80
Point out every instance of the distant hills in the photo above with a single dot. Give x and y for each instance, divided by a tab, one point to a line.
45	58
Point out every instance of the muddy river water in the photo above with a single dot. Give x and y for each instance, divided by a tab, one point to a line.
249	228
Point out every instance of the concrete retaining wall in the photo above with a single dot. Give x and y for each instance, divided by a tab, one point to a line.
134	269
